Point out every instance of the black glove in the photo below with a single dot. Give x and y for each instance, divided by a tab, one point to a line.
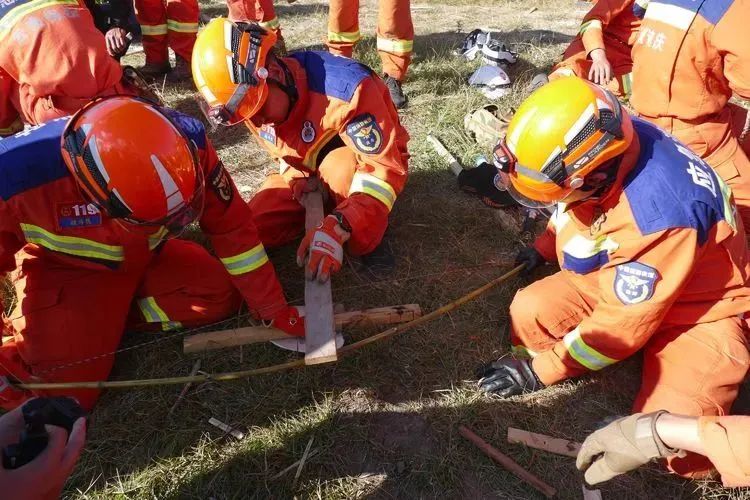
481	182
530	257
508	377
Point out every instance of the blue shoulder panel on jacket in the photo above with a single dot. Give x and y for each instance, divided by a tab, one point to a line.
331	75
31	159
192	127
711	10
670	187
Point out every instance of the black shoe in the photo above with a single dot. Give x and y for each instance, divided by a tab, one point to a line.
378	264
397	94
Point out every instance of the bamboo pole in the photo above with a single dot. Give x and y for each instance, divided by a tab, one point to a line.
223	377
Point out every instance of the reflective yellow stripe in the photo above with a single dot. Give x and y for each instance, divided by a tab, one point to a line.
594	24
246	261
153	30
271	24
155	314
627	85
521	351
377	188
342	36
582	248
157	237
395	46
15	14
585	354
182	27
80	247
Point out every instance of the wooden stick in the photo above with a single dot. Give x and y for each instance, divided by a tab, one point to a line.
446	155
193	372
320	332
226	428
253	334
508	463
302	462
295	464
542	442
242	374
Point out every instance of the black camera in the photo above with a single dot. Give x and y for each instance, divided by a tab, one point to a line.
58	411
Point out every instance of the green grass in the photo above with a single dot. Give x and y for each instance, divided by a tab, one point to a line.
383	423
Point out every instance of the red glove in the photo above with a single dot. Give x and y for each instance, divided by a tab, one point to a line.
290	321
325	250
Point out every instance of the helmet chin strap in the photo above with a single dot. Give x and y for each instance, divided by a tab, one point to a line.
287	85
597	184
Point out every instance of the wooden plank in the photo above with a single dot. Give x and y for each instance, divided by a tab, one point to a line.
542	442
508	463
320	332
446	155
253	334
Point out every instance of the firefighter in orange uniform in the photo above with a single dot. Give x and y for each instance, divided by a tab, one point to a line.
651	251
260	11
601	51
87	231
395	38
53	60
688	59
167	24
320	116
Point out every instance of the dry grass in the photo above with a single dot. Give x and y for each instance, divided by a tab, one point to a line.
383	422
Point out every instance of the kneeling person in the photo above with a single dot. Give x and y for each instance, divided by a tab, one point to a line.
317	115
651	251
90	226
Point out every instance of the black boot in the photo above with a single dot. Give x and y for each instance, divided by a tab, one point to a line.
378	264
397	94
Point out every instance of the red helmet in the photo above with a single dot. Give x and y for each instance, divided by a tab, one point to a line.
134	163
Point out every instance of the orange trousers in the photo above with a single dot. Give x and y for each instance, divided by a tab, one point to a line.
395	32
687	369
576	62
260	11
280	218
69	320
165	24
716	139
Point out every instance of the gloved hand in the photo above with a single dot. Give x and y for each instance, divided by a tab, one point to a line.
508	377
326	253
622	446
289	320
530	257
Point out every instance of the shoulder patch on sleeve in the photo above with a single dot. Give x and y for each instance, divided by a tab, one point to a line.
635	282
221	183
366	134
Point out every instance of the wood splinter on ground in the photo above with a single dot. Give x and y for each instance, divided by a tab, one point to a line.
253	334
193	372
543	442
508	463
226	428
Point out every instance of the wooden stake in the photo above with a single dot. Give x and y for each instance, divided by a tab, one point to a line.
508	463
320	333
542	442
226	428
446	155
193	372
253	334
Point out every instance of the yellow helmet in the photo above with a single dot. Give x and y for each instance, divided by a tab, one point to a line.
559	135
229	69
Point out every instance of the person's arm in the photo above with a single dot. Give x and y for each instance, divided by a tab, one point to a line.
592	35
635	295
734	48
373	131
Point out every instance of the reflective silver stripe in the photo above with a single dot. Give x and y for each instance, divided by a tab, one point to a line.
375	187
584	354
246	261
71	245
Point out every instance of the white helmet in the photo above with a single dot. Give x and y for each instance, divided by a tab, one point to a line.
495	53
492	81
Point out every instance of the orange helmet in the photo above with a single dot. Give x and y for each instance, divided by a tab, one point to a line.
134	163
561	133
229	70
